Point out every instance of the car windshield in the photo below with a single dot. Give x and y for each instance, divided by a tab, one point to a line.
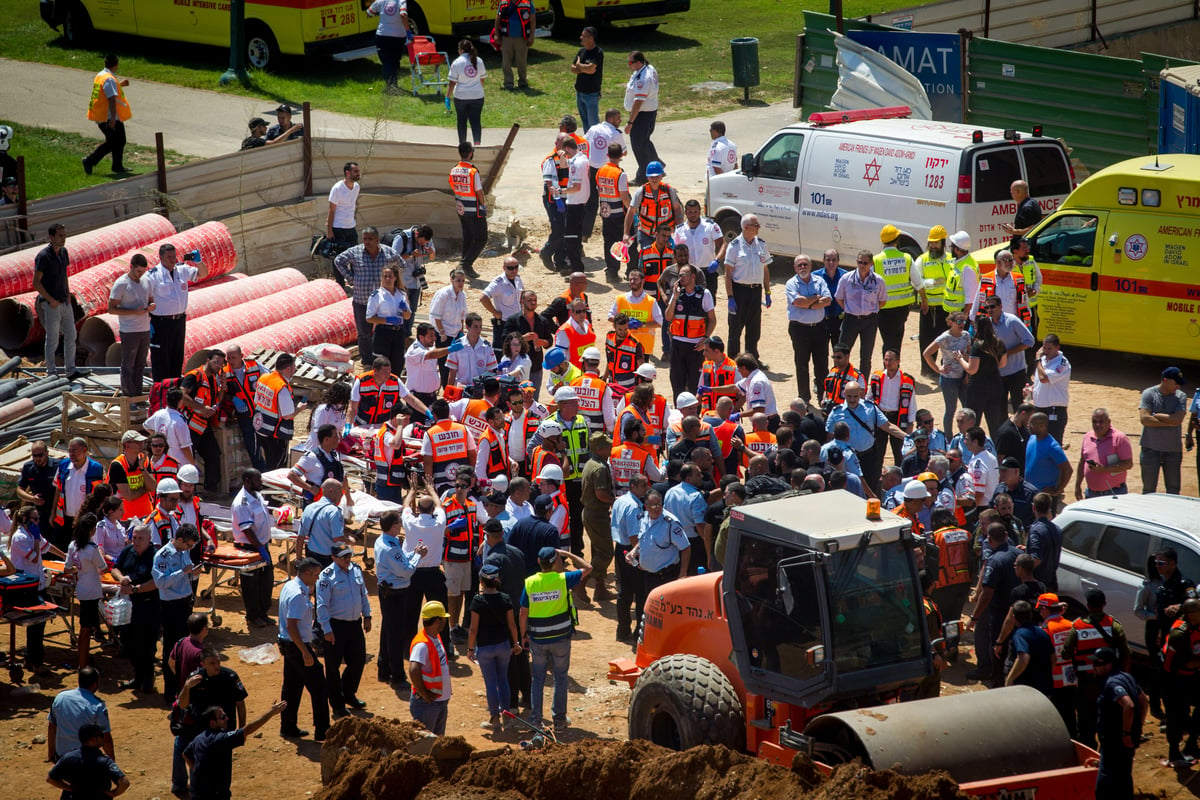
875	607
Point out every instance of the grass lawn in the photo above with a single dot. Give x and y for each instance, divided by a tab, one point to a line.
688	52
52	160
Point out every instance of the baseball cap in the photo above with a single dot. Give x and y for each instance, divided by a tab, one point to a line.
434	610
549	428
282	108
494	498
919	434
915	490
255	122
1095	598
647	371
961	240
344	551
1104	655
10	181
489	570
132	436
1047	599
547	554
167	486
1010	463
1175	374
542	502
565	394
686	400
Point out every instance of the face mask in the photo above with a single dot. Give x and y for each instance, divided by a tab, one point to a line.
34	530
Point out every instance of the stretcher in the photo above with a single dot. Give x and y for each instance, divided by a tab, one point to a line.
225	563
23	618
62	591
426	64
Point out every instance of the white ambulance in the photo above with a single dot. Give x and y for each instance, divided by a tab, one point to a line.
837	179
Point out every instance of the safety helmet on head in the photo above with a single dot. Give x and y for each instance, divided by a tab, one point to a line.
189	474
937	233
554	357
686	400
551	472
655	169
591	354
647	371
549	428
168	486
890	233
961	240
565	394
915	490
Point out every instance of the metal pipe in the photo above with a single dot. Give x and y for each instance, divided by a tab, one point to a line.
10	365
43	385
333	324
17	409
10	388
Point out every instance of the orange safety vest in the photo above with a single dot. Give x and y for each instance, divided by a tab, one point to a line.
656	429
473	417
954	565
690	320
242	389
725	437
375	401
90	478
757	444
656	209
1063	671
497	463
136	478
1193	650
641	310
525	13
390	469
1088	639
539	460
164	525
529	427
608	190
908	388
448	440
460	544
713	375
467	200
580	142
431	676
654	261
987	288
577	342
561	170
206	393
836	381
169	468
628	459
590	388
624	358
268	420
98	105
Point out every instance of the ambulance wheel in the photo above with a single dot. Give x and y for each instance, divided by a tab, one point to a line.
369	562
261	49
681	701
562	28
730	224
206	594
76	25
416	21
910	246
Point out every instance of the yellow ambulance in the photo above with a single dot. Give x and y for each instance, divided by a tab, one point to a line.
1120	260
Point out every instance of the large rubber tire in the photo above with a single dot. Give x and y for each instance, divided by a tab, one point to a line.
262	51
77	25
730	224
681	701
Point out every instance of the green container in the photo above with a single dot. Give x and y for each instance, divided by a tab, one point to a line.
745	61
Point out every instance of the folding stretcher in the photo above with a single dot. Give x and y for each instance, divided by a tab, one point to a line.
427	65
225	563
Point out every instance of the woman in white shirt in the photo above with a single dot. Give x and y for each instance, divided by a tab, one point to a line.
110	533
513	360
331	411
466	87
388	311
26	548
87	562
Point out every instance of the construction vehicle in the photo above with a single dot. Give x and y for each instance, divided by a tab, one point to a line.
804	644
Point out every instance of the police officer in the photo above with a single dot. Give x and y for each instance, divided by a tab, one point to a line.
300	668
662	551
929	273
1089	633
1121	711
895	267
1181	664
394	568
344	612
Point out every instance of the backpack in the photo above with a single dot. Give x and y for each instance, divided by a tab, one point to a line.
158	393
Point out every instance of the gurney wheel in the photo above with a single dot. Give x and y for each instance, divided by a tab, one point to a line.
369	563
16	674
215	618
206	594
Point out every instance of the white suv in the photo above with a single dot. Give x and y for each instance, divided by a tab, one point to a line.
1107	541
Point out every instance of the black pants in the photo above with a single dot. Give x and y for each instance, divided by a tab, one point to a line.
469	112
114	142
474	236
362	330
748	318
932	325
640	144
686	361
1183	711
167	336
573	236
627	578
863	330
698	555
174	615
1114	781
1014	387
520	680
395	633
35	642
390	50
871	461
647	583
612	227
1063	698
349	647
554	252
988	403
810	343
1058	420
388	340
593	204
891	328
256	585
575	514
274	451
60	535
1086	695
425	397
297	678
250	441
428	583
205	446
882	438
348	237
140	638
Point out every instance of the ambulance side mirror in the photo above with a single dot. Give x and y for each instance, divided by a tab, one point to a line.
748	164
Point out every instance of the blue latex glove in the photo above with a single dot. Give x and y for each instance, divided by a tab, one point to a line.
732	306
447	102
346	429
767	301
735	416
634	324
428	415
713	266
560	204
457	526
703	390
392	320
408	37
456	345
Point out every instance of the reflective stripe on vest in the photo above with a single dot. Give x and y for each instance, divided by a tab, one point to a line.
1088	639
954	564
608	190
473	417
389	470
575	436
556	380
714	375
622	358
562	172
460	544
590	389
98	104
893	266
690	319
375	402
643	311
168	469
430	676
448	440
163	525
524	12
60	480
907	389
628	459
836	381
497	462
654	261
1170	656
206	392
1029	273
549	605
954	298
577	342
268	420
242	390
1063	671
462	183
757	444
136	480
987	288
934	271
655	209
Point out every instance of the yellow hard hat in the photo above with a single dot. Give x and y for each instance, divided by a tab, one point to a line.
433	610
890	233
937	233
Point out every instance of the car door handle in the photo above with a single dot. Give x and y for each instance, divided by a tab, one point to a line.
1095	281
1088	582
796	194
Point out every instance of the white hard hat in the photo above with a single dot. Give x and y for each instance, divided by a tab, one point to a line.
565	394
549	428
168	486
647	371
961	240
591	354
686	400
551	472
915	490
189	474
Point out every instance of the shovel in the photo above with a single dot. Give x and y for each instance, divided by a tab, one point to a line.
533	744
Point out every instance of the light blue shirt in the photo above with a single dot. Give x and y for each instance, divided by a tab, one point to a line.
850	463
70	711
937	443
341	594
322	524
687	504
393	565
661	540
1012	331
294	604
626	519
796	288
959	443
168	571
862	433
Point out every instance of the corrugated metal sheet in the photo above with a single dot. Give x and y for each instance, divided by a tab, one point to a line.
818	66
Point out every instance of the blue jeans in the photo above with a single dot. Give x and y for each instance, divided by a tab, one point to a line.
493	663
392	494
952	396
431	715
588	105
555	657
1168	462
1122	489
179	770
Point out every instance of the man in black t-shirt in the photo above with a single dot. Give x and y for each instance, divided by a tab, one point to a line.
1122	711
36	484
1029	213
588	69
210	754
87	773
214	685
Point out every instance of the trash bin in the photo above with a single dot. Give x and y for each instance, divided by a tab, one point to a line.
745	62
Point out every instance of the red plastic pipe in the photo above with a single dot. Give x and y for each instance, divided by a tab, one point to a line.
333	324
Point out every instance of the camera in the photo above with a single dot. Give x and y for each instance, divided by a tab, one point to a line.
193	255
419	270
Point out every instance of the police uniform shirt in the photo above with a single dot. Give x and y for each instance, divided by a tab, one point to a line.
861	297
642	85
747	260
170	288
686	503
427	528
294	604
393	565
342	595
422	372
599	137
310	468
505	294
383	303
1056	391
626	519
862	420
250	510
722	155
322	523
850	462
172	582
796	288
759	394
661	540
472	361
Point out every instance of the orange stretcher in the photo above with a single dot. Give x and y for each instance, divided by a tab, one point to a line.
62	590
225	562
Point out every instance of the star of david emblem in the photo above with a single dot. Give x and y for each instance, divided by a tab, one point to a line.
872	173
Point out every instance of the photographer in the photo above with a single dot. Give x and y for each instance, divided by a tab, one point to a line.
415	248
169	283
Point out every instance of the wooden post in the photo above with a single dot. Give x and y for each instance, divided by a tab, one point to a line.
306	147
494	173
160	157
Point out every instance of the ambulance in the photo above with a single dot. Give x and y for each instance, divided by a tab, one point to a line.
1117	260
836	180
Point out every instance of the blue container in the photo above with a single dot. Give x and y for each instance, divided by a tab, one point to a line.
1179	110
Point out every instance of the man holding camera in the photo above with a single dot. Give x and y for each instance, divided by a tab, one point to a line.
169	283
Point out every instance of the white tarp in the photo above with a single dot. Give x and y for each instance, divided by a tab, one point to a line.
867	79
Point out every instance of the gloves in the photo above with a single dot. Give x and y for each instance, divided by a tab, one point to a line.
456	345
392	320
735	416
703	390
447	102
713	267
457	526
560	204
767	301
428	415
732	306
408	37
634	324
346	429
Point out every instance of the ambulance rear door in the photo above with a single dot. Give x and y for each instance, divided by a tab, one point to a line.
1069	249
774	193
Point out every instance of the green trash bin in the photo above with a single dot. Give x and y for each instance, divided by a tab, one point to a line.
745	62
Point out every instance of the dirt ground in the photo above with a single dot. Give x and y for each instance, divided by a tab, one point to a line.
597	708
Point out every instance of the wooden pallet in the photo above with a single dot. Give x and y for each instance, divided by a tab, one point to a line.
105	420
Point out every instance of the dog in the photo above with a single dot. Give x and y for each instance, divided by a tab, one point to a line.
515	234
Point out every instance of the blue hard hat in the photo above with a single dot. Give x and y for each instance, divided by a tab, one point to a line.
655	169
554	356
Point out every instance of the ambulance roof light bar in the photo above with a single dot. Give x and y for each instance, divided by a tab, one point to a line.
823	118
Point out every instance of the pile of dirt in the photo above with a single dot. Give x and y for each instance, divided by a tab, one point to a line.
371	760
